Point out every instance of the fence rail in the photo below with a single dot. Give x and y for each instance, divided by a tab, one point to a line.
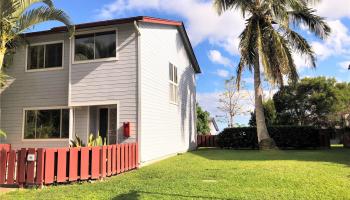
46	166
206	141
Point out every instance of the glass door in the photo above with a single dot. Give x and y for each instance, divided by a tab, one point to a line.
113	126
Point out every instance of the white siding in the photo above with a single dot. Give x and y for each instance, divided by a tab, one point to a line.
165	128
112	81
81	123
33	89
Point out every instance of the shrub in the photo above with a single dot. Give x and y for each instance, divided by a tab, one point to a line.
286	137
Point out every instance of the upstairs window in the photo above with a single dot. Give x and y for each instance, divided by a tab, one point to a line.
173	83
46	124
95	46
45	56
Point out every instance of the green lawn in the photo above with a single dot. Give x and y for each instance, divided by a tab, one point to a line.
220	174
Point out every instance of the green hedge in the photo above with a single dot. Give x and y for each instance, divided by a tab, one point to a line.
286	137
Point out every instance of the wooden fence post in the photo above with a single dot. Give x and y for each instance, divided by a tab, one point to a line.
40	161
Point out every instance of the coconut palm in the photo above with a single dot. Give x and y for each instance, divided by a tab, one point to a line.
17	16
269	40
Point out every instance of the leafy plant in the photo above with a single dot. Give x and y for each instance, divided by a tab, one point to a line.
77	142
98	141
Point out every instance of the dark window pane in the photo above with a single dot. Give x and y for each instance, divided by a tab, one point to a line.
48	124
105	45
84	47
175	74
35	57
29	126
53	55
65	123
171	72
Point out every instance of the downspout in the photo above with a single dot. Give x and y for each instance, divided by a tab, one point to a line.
71	111
138	132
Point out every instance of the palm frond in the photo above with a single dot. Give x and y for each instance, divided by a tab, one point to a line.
23	5
301	46
42	14
242	5
315	23
2	134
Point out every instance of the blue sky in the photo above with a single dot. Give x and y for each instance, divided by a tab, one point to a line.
215	39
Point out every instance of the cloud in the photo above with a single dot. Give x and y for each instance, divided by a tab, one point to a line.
337	44
333	9
202	21
215	56
222	73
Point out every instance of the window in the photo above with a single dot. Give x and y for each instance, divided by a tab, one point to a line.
46	124
173	83
95	46
45	56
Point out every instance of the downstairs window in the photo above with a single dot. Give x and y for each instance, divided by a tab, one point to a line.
46	124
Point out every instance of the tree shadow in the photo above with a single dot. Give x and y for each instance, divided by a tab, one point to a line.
132	195
333	155
135	195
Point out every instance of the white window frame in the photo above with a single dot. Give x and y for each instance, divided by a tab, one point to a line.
43	108
174	84
44	69
99	59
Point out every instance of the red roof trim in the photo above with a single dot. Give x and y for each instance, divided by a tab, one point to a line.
161	21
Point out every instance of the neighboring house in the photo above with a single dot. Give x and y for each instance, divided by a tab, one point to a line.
214	129
137	71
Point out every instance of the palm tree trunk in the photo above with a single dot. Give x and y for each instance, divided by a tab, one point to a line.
264	139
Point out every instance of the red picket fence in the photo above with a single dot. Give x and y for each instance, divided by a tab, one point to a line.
206	141
5	147
64	165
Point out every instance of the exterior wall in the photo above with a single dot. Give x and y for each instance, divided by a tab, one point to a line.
113	81
81	123
33	89
213	130
166	128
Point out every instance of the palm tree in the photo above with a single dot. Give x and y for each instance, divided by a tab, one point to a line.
17	17
268	40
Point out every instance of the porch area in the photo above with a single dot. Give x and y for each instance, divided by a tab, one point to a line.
99	120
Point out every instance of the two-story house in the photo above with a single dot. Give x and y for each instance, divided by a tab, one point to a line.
135	73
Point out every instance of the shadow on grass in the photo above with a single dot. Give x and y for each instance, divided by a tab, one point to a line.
335	155
135	195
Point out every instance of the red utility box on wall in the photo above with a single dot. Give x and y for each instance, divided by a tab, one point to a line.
126	127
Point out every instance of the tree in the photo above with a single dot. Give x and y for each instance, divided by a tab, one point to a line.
319	102
268	40
342	107
269	112
17	17
230	101
310	102
203	118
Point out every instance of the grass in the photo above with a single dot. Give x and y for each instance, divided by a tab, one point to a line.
220	174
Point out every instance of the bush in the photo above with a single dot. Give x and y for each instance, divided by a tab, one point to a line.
286	137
